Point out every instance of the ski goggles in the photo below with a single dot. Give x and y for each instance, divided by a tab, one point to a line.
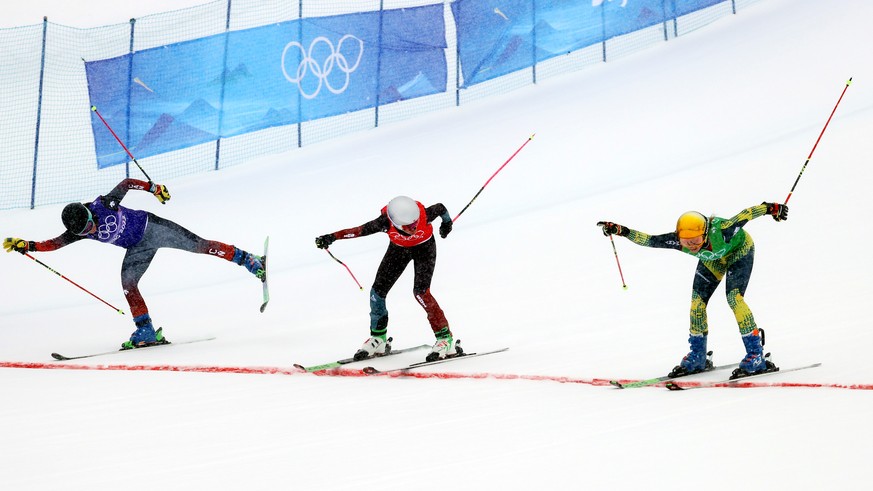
410	229
88	224
693	241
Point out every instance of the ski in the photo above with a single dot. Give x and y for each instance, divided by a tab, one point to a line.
374	371
266	287
730	381
61	357
346	361
667	378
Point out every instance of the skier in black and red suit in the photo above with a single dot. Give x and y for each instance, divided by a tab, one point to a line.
408	225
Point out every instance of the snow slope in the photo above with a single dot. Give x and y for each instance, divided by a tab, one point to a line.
716	121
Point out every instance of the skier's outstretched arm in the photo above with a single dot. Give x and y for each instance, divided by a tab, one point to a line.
120	191
21	245
663	241
778	211
380	224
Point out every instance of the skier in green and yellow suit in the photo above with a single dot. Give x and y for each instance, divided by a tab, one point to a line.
723	249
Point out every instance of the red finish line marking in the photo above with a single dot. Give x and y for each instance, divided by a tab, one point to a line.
349	372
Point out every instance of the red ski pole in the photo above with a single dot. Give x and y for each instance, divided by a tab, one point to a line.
94	108
73	282
347	268
492	176
817	140
623	284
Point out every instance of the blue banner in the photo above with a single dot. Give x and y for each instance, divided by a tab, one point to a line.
497	37
625	16
176	96
682	7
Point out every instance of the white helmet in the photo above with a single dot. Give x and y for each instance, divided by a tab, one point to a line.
403	210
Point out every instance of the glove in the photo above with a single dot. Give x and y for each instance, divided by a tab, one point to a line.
445	228
777	211
324	241
610	228
160	191
16	244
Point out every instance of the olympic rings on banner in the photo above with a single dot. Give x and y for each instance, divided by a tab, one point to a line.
321	71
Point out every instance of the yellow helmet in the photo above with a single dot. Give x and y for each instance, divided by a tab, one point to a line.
691	224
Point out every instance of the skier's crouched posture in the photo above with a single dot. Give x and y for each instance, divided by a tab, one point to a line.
723	249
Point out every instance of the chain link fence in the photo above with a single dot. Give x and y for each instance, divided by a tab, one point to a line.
47	142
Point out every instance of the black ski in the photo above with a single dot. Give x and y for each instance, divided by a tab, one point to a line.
373	371
731	381
346	361
60	357
266	287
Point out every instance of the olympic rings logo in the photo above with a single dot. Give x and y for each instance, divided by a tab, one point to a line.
407	238
322	71
107	228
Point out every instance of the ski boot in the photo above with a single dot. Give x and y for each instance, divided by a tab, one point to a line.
445	347
374	346
253	263
756	361
145	334
696	361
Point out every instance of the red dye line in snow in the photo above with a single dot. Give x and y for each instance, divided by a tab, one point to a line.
349	372
153	368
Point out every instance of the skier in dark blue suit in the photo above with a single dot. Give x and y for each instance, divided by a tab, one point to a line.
142	234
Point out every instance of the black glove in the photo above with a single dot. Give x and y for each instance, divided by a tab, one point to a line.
445	228
610	228
777	211
16	244
324	241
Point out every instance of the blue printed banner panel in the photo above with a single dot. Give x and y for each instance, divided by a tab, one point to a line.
682	7
497	37
180	95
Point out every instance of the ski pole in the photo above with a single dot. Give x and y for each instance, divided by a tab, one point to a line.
615	251
347	268
73	282
817	140
492	176
94	108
